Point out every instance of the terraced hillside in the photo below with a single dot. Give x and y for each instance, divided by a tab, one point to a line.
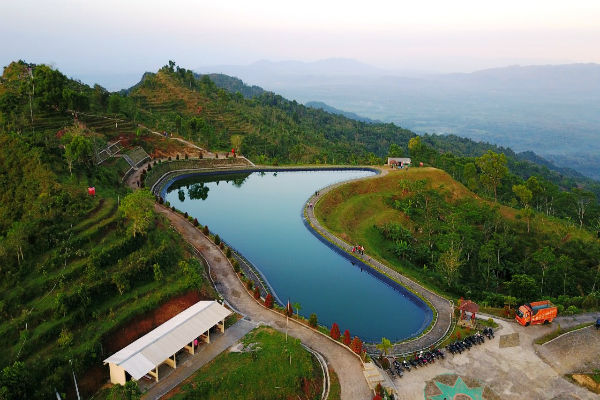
432	228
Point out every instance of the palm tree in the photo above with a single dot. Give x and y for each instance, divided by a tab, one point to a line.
298	307
385	346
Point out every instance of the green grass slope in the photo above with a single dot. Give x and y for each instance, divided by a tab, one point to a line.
412	218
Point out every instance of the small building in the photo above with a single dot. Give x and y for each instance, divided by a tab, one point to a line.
160	345
398	162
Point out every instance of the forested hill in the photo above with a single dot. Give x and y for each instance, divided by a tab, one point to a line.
326	107
268	128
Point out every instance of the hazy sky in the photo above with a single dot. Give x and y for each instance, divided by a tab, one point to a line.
94	37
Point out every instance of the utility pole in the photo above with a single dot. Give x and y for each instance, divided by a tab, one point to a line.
75	380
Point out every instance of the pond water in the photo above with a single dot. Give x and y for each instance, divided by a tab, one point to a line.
260	214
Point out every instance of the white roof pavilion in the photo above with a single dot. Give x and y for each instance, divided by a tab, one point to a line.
152	349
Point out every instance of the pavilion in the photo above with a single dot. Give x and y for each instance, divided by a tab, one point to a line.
160	345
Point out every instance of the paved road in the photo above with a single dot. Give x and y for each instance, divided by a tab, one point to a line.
347	365
219	342
443	306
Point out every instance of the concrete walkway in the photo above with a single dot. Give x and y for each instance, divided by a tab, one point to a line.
346	364
444	307
218	344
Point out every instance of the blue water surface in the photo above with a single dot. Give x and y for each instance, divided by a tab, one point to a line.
260	215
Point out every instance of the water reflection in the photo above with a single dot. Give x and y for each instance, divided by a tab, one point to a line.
197	186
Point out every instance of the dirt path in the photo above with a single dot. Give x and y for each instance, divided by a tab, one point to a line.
347	365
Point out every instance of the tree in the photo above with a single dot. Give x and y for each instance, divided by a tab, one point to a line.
347	339
16	382
385	346
130	391
583	198
356	345
158	275
395	151
563	264
298	307
525	195
335	331
79	149
312	320
522	286
269	301
470	176
114	103
449	264
493	169
544	257
139	208
415	146
289	311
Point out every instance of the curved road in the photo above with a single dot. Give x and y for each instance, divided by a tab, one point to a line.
347	365
444	307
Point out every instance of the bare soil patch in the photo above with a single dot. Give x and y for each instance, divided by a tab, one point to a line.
143	324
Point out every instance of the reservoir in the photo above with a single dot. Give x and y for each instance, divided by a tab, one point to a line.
260	214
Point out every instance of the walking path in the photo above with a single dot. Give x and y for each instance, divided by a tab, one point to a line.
219	342
347	364
443	307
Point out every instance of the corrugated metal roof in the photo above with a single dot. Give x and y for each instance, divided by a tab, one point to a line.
156	346
399	159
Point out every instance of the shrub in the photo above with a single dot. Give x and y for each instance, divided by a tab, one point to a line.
289	311
186	156
217	239
269	301
177	157
169	158
228	253
356	345
205	230
236	266
168	203
256	293
249	284
590	301
347	339
312	320
149	167
185	214
196	223
560	308
173	208
200	156
572	310
221	245
335	331
160	200
385	363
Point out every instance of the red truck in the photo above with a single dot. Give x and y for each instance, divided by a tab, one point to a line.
538	312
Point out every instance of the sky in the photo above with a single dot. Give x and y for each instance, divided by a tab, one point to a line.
87	38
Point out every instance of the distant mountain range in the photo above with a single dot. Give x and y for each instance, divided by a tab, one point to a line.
553	110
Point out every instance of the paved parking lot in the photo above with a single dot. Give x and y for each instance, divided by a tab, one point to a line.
511	373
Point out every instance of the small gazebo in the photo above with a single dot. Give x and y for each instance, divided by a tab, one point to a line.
466	306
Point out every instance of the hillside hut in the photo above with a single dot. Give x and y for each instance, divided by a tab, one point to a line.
398	162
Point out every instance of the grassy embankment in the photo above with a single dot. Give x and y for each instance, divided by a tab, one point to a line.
262	371
353	211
